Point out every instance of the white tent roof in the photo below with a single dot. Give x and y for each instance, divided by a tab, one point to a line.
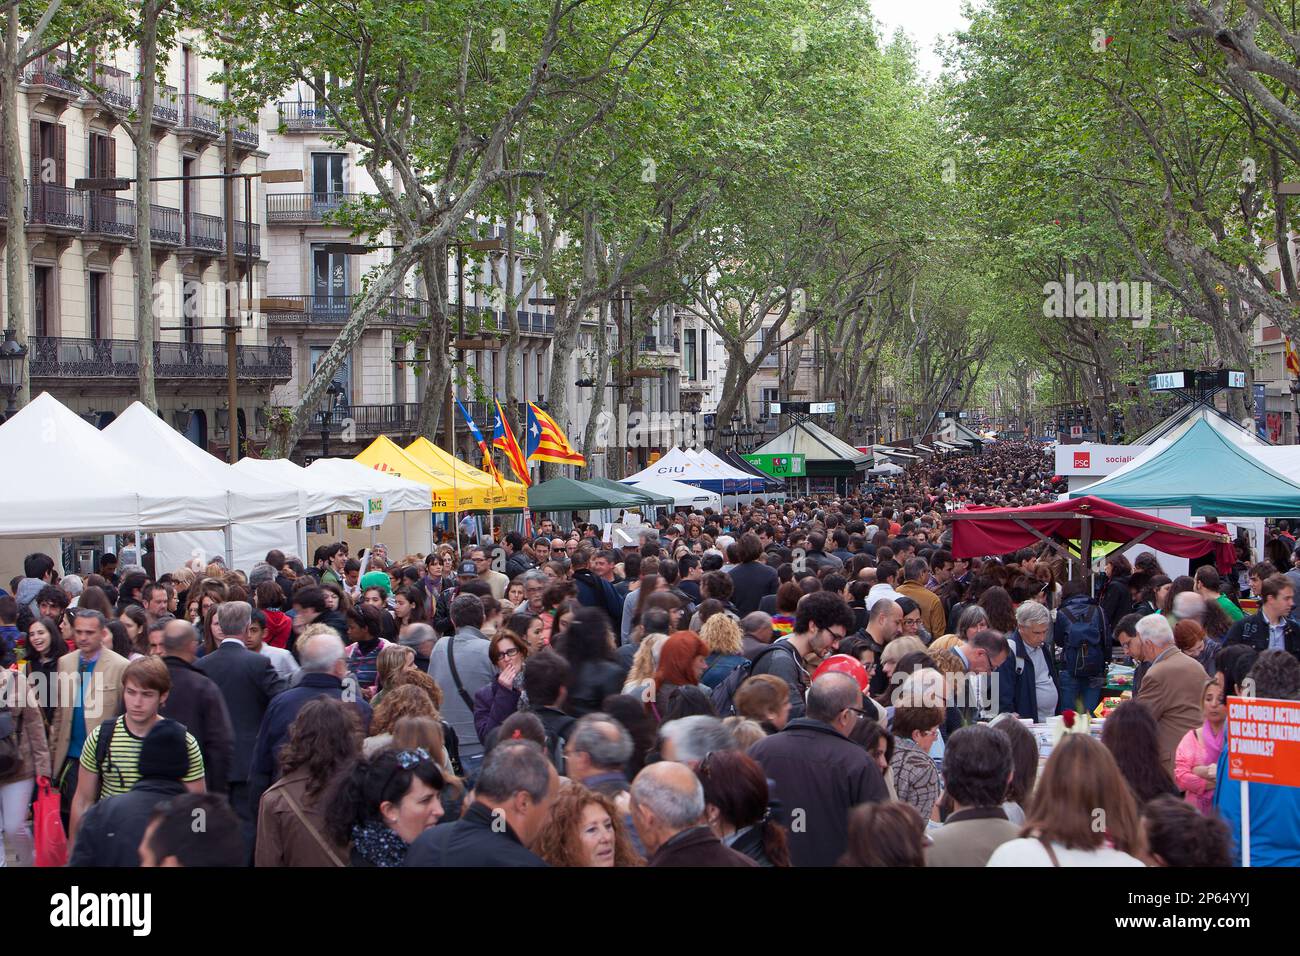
676	465
79	481
894	452
725	470
400	494
247	498
814	443
316	494
888	468
683	495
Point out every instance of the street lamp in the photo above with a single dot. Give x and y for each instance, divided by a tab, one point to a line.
12	354
329	402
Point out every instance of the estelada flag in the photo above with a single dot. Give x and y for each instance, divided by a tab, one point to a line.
488	465
1292	360
503	437
546	442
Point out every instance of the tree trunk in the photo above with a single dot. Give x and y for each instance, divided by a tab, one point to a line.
437	370
144	276
598	404
16	240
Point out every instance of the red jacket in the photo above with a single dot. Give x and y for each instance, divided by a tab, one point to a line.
279	629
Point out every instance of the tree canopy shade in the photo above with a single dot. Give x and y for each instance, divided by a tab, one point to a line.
982	531
567	494
1205	470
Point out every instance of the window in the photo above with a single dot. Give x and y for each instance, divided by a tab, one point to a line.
42	304
704	353
99	306
49	153
102	156
689	367
191	310
330	280
399	374
327	176
343	375
766	397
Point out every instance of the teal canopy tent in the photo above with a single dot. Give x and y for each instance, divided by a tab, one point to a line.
1202	469
566	494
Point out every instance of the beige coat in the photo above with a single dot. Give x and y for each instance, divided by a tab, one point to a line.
103	697
932	613
283	839
33	747
1173	690
969	838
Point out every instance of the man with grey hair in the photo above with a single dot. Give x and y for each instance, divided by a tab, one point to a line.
1027	684
1172	689
420	638
513	797
668	813
1188	606
248	682
757	633
461	667
597	750
72	586
819	773
324	668
259	574
689	740
196	702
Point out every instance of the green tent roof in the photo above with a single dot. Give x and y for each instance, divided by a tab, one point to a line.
1205	471
647	497
566	494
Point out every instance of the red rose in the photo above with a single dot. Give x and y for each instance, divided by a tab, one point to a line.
1067	718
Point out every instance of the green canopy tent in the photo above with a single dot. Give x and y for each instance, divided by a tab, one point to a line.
566	494
647	497
1203	469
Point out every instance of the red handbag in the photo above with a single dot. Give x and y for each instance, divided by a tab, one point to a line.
51	843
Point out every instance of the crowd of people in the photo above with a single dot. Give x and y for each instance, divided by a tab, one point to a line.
814	682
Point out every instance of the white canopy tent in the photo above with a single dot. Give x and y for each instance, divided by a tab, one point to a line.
741	482
677	465
251	503
683	495
80	482
407	505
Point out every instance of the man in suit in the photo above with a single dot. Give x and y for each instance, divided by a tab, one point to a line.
1172	689
196	702
247	681
88	692
976	770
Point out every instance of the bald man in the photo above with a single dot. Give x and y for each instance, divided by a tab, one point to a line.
668	812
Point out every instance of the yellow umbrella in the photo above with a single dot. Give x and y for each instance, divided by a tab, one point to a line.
448	493
509	494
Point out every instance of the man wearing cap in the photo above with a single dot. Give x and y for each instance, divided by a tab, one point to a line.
111	829
467	571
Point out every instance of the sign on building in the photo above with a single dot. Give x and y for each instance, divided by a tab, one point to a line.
779	466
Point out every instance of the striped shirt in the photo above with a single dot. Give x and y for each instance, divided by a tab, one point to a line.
123	770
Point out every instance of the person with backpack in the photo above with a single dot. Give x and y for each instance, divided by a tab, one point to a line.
110	759
1028	682
822	619
547	678
1082	636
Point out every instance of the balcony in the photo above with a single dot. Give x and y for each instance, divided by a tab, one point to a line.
303	208
45	79
242	237
165	225
333	310
116	88
301	116
665	346
166	104
247	135
110	217
200	116
71	358
368	421
205	234
56	208
483	321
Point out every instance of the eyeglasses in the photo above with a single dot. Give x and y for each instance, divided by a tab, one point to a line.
508	652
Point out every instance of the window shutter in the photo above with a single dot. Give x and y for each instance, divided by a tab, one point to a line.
60	153
34	158
110	150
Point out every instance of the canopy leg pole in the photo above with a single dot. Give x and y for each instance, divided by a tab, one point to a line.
229	532
1085	550
139	548
405	547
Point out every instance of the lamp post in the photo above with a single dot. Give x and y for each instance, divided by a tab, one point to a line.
12	355
231	326
327	406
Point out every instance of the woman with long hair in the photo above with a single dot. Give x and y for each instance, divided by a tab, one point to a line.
997	604
1152	597
133	618
1178	586
586	829
324	740
681	664
392	660
1082	812
640	678
408	608
498	699
530	627
1197	758
723	636
885	834
588	646
736	803
384	804
1024	766
45	645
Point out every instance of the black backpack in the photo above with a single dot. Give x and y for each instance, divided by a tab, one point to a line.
725	691
1083	654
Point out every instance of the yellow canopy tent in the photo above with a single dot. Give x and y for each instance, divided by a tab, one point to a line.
448	492
509	494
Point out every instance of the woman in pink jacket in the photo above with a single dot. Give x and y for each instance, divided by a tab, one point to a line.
1198	753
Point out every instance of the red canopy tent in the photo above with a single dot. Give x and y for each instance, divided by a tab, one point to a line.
982	531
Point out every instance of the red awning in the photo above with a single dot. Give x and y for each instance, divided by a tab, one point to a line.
985	531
